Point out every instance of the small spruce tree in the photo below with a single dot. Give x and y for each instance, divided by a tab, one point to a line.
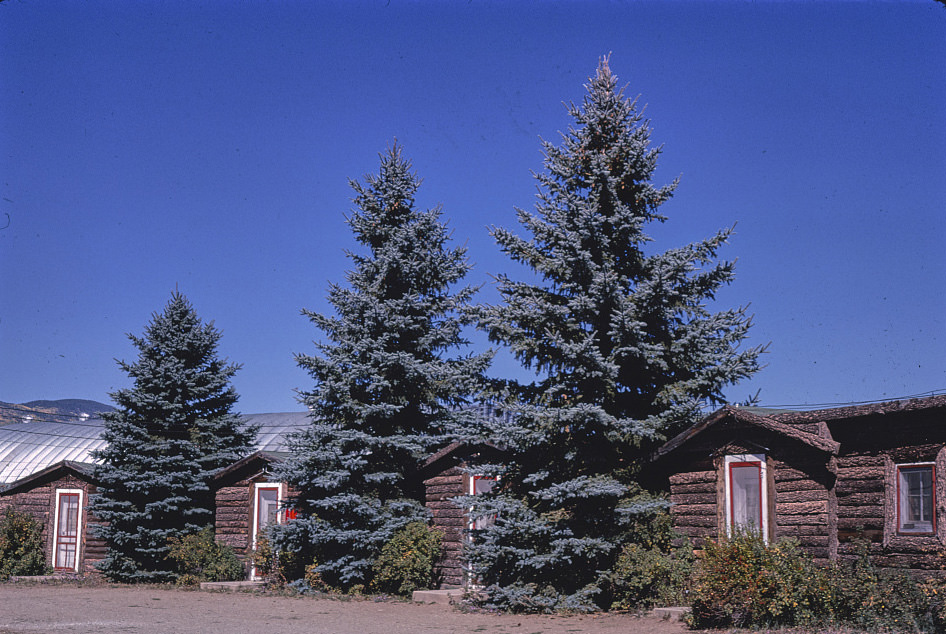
624	350
387	392
171	432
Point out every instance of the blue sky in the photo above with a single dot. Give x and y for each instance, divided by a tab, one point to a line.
208	145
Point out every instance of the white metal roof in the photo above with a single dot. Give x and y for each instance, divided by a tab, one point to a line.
29	447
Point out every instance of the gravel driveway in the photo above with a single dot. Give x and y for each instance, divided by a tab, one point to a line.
149	610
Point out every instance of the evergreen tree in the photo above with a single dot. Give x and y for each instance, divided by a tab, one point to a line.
624	350
170	433
386	393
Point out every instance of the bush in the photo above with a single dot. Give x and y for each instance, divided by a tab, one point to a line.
743	582
21	545
275	565
199	557
649	571
934	590
876	598
407	561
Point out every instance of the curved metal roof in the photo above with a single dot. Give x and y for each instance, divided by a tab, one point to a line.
274	429
29	447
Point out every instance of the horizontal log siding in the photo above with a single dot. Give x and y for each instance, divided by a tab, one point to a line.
827	504
802	505
860	491
693	495
451	520
232	523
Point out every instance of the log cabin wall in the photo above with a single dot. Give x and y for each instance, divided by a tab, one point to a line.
799	489
446	476
451	520
834	479
867	488
235	508
693	493
232	524
39	500
802	503
235	500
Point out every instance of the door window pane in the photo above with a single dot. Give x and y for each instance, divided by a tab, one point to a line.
481	485
916	499
746	495
267	508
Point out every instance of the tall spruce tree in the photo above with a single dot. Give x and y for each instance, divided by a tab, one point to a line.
624	348
387	390
171	432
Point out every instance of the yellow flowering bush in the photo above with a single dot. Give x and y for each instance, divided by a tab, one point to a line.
744	582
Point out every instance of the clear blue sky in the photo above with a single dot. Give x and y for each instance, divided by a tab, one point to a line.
208	145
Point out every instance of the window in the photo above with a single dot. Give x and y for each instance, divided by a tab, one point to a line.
67	529
746	495
916	499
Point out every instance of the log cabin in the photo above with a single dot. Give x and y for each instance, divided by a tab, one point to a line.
57	498
825	477
46	469
446	477
248	499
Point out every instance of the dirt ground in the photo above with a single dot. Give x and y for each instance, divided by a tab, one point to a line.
148	610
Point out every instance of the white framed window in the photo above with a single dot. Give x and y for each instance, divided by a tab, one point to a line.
916	499
746	494
67	529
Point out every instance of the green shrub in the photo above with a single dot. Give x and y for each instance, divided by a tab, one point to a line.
876	598
743	582
276	566
934	590
21	545
407	561
199	557
649	571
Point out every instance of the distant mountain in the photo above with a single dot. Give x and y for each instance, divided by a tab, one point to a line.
67	409
72	406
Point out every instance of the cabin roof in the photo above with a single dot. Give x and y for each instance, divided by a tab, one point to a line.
83	470
748	418
797	424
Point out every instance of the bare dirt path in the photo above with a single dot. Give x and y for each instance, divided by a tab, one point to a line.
119	610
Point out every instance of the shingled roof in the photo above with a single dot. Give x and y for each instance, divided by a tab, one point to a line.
768	423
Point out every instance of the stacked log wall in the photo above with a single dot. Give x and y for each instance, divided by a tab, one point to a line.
233	514
451	520
827	501
693	495
232	522
803	505
860	491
